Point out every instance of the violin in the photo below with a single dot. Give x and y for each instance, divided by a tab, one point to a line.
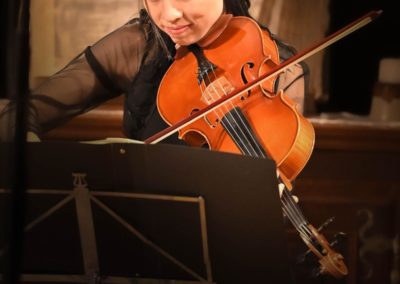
220	93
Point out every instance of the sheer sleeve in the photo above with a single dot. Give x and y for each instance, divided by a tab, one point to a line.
294	80
77	88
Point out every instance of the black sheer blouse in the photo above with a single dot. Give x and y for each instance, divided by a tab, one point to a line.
127	61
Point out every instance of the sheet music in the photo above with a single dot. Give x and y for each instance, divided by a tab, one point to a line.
110	140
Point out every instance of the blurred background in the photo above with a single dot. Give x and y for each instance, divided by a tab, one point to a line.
342	77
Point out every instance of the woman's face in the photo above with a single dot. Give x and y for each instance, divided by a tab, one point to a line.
185	21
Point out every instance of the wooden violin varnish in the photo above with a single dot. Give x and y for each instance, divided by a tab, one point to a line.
386	92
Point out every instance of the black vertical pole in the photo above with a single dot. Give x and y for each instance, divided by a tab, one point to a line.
18	59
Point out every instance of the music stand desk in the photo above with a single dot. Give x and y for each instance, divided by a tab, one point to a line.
131	213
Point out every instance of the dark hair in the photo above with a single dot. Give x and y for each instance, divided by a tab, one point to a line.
237	7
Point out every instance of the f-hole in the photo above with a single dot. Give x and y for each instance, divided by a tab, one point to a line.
243	71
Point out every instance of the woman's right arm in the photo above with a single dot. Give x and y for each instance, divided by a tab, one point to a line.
78	88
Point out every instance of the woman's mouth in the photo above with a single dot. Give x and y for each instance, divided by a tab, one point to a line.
176	31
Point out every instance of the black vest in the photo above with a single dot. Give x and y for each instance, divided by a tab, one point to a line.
141	116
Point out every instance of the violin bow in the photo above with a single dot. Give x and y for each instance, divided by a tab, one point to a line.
324	43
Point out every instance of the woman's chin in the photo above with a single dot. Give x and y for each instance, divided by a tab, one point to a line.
185	41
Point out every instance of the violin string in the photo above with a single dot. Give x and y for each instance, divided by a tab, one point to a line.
293	217
297	223
219	113
304	234
243	123
287	199
301	227
249	134
296	218
231	121
210	82
291	212
292	209
288	196
289	207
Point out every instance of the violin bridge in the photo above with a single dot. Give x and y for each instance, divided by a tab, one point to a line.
216	89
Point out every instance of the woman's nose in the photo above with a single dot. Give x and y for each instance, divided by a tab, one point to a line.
171	11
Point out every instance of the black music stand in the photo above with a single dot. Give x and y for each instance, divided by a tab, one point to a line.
130	213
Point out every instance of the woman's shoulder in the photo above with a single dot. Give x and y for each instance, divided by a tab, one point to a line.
133	32
120	53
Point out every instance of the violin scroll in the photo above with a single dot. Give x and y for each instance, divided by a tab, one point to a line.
331	262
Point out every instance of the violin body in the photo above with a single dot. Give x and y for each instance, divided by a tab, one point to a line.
241	53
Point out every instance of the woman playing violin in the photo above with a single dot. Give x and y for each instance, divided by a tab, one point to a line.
136	58
132	61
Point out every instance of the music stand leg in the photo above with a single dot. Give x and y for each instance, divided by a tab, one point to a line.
86	227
